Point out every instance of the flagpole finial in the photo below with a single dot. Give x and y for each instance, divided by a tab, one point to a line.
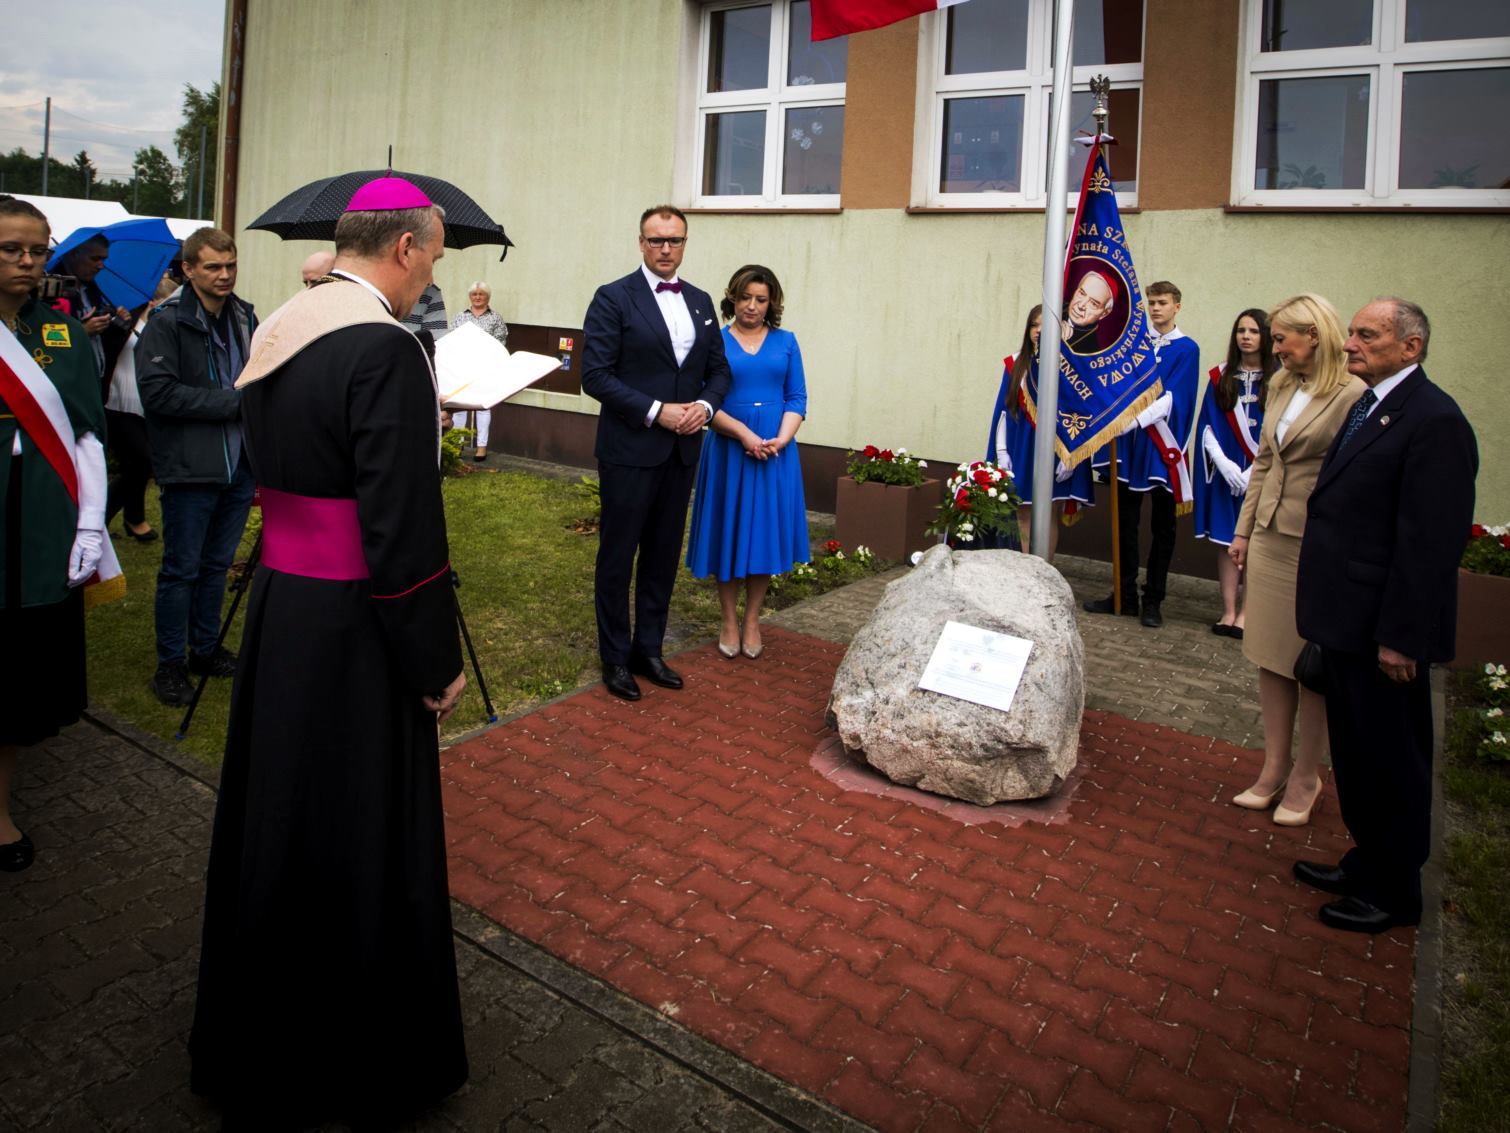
1101	87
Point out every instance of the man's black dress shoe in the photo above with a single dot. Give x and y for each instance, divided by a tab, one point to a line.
656	670
16	856
618	681
1354	914
1151	616
1327	878
1104	606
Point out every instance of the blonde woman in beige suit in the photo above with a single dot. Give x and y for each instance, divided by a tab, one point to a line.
1308	403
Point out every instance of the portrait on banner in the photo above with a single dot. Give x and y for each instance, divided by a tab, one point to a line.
1096	310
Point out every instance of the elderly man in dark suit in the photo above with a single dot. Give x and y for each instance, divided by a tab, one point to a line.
654	358
1377	590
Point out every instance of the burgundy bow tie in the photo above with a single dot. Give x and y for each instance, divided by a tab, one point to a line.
664	286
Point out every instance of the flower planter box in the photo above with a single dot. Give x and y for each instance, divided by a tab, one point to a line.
889	519
1483	632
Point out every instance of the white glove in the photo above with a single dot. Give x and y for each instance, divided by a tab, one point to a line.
1003	458
1213	451
1062	473
1156	412
1236	478
89	539
1240	485
88	546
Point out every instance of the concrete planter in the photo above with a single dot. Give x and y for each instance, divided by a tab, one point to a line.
889	519
1483	632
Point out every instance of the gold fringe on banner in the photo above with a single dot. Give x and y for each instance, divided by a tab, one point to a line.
1107	432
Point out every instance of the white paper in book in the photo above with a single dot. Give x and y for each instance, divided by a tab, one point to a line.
473	370
977	665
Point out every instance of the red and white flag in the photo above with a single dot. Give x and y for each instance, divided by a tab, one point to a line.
840	17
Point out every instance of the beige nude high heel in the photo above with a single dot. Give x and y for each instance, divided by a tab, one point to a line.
1284	816
1252	800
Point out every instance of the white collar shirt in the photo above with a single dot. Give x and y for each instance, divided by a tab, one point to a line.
1162	340
351	275
1382	390
674	310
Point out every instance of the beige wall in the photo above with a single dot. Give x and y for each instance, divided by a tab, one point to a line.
560	130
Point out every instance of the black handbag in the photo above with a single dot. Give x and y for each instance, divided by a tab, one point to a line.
1310	670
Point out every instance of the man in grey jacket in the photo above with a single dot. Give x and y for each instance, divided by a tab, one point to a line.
187	361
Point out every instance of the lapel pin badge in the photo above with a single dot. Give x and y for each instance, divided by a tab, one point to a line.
1384	420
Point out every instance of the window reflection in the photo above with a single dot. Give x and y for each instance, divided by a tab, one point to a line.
734	154
1428	20
986	35
982	145
1107	32
810	63
739	46
1443	148
1299	25
1312	133
814	149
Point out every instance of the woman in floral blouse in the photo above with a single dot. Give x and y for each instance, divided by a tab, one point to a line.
488	319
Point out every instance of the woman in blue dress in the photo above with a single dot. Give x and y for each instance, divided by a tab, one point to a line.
1227	433
749	517
1013	433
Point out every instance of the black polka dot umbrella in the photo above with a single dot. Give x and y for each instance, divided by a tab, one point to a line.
311	212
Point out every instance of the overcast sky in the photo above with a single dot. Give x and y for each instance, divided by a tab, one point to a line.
115	69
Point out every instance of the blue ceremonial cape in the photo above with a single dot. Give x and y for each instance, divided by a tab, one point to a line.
1106	365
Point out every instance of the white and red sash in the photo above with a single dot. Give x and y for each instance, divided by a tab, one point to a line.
1237	417
43	418
1173	458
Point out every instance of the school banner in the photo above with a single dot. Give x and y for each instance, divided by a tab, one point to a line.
1106	361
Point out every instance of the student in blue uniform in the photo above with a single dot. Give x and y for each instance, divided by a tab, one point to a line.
1227	436
1012	437
1141	468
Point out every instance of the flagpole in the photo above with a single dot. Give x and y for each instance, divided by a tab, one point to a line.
1050	334
1101	87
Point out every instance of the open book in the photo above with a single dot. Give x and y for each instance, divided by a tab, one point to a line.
475	371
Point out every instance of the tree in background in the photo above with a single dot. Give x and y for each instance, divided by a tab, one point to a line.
157	184
83	174
200	109
158	188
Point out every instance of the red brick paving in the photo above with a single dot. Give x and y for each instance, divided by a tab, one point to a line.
1142	961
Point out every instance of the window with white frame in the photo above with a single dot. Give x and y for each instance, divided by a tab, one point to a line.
1375	102
987	80
770	108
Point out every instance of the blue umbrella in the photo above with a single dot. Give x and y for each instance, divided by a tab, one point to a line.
140	251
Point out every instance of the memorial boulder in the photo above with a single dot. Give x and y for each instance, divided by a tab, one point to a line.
945	744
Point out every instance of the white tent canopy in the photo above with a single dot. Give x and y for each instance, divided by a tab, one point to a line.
67	214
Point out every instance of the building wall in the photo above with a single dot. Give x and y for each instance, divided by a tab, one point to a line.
565	117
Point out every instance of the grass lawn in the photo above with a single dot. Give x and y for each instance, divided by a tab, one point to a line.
526	593
1476	959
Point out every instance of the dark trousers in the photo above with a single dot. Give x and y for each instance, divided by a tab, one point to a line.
644	520
202	526
1380	734
1160	551
133	464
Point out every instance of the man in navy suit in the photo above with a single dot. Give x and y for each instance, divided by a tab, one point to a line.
654	358
1377	590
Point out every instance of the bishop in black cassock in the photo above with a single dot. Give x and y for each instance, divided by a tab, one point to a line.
327	980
